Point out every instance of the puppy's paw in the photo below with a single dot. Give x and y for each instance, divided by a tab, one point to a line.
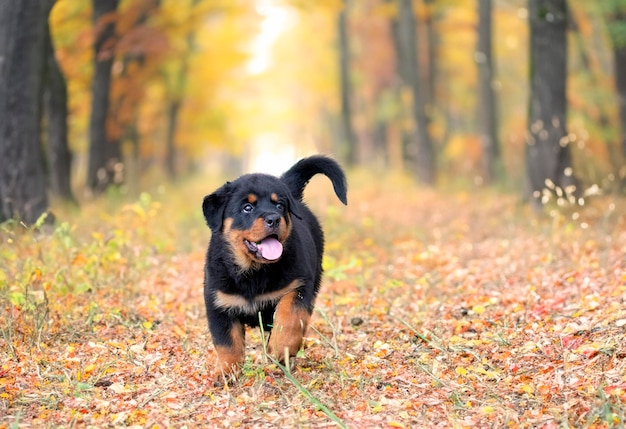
290	323
284	347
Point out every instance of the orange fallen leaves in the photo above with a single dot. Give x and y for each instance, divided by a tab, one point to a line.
453	312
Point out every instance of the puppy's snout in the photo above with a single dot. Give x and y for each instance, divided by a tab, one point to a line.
272	220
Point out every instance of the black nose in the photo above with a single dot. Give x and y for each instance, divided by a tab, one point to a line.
272	220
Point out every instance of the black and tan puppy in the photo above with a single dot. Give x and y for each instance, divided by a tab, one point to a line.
264	259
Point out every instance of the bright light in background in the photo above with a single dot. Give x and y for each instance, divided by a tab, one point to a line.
269	154
270	151
276	19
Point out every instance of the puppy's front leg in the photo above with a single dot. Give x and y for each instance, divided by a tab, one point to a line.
229	341
291	320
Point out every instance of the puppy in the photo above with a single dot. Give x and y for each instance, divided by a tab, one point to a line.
264	261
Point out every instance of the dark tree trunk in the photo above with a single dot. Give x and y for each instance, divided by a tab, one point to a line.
548	155
55	106
620	81
405	151
409	48
119	116
104	154
171	153
619	51
486	102
604	119
22	176
349	136
170	143
175	104
428	64
401	62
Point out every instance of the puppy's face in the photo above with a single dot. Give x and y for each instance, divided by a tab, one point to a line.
253	216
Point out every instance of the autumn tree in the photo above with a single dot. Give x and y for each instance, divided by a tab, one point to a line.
56	111
617	29
22	176
548	156
104	155
408	50
487	121
176	97
376	95
347	128
139	51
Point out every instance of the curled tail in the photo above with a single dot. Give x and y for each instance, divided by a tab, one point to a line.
299	175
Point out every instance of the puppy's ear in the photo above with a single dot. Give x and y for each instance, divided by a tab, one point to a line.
293	206
213	208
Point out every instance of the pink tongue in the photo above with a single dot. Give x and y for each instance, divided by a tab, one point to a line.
270	248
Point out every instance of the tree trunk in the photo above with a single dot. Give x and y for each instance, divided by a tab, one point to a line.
596	79
620	83
486	100
175	104
548	156
55	106
124	113
619	52
409	47
22	177
103	153
170	144
428	64
349	137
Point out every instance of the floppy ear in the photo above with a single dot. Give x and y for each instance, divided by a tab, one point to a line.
213	208
293	205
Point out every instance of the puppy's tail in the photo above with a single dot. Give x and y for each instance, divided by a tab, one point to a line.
299	175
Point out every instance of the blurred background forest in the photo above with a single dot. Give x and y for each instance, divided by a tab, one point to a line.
120	94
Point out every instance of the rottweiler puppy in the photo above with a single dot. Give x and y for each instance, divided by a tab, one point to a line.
264	261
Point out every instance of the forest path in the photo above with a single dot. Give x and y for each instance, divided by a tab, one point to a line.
462	310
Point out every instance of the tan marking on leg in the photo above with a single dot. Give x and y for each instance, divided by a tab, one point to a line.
290	324
229	358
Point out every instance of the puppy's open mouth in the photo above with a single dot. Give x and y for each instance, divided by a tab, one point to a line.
269	248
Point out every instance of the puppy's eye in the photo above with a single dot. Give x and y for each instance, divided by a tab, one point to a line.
247	208
280	206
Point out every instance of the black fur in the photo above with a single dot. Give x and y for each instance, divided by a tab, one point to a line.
234	279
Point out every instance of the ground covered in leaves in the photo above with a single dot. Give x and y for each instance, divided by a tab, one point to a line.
456	309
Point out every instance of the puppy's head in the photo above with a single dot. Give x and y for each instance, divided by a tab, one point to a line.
253	215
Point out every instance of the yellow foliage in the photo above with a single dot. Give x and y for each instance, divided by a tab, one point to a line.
70	26
464	147
196	56
460	370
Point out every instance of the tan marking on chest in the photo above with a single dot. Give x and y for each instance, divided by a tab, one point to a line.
235	302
